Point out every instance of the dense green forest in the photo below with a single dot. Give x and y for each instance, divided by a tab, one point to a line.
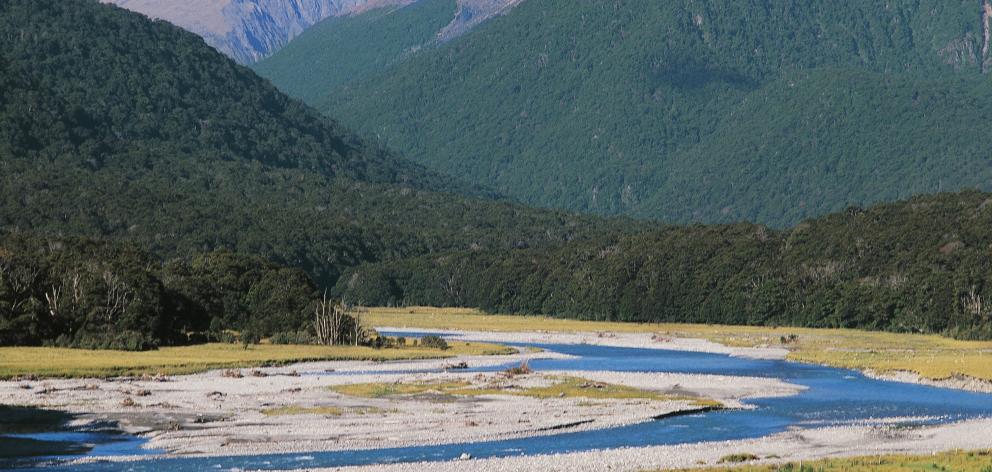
112	125
924	265
769	111
339	50
156	193
80	292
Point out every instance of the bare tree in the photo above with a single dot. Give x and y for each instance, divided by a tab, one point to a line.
356	327
54	302
329	321
323	322
119	296
973	303
56	297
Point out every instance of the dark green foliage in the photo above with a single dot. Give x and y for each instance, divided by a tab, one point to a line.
227	291
770	111
434	342
83	293
298	337
339	50
79	293
115	126
916	266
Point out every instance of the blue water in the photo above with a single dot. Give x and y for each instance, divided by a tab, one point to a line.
834	396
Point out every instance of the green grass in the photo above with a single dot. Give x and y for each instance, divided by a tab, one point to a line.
931	356
66	363
956	461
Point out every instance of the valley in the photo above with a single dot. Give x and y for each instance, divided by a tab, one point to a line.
388	235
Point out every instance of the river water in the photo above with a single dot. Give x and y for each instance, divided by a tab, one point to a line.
834	396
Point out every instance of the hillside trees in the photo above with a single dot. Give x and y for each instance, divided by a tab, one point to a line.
923	265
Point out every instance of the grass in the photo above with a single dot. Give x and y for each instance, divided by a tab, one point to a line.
957	461
65	363
390	389
293	410
561	387
931	356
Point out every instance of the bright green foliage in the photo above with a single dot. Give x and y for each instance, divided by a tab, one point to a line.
769	111
919	266
341	49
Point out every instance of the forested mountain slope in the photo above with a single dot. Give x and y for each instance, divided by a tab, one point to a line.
115	126
768	111
340	50
251	30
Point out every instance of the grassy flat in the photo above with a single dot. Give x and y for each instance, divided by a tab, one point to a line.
560	387
930	356
957	461
60	362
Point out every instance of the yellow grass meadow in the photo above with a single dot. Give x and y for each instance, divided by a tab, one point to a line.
559	387
930	356
956	461
59	362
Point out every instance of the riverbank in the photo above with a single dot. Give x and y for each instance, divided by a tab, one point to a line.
790	447
357	405
308	407
932	359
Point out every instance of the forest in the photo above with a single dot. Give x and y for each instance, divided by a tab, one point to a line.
688	111
156	193
923	265
79	292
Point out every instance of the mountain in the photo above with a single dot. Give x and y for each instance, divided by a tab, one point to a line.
250	30
769	111
143	169
340	50
113	126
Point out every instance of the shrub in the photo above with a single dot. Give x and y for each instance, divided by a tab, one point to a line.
293	337
434	342
522	369
741	457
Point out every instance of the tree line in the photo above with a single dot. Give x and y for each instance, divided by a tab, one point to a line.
922	265
77	292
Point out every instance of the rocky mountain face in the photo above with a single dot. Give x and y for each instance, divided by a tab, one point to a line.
250	30
471	13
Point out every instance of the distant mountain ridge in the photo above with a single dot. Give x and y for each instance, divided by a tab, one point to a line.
769	111
113	126
250	30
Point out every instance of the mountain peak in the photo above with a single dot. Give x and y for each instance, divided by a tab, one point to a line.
251	30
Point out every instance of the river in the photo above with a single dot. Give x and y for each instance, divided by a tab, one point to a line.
834	396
